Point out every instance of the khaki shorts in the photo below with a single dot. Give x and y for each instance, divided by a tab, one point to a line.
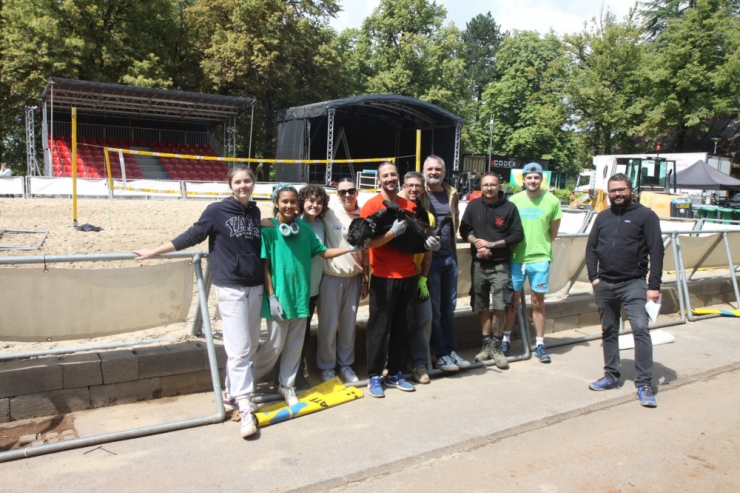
488	281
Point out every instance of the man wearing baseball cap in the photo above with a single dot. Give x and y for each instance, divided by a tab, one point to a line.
540	214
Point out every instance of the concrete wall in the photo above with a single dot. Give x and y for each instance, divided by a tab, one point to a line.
56	385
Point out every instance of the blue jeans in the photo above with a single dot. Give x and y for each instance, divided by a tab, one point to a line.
610	298
420	333
442	283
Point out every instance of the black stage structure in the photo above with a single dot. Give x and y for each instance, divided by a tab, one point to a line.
363	127
139	113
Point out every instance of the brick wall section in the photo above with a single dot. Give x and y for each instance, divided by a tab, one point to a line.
57	385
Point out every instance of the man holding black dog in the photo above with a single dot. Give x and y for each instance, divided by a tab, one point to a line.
491	225
393	291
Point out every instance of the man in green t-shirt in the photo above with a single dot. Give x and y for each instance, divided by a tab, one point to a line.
540	213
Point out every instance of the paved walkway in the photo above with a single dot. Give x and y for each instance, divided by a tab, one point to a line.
534	427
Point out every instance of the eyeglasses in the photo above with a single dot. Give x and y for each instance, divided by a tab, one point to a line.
413	185
615	191
349	191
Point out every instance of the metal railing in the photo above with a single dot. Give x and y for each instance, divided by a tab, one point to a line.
220	413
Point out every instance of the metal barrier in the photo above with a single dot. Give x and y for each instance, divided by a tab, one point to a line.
218	417
37	246
711	257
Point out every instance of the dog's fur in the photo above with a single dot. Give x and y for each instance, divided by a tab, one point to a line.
411	241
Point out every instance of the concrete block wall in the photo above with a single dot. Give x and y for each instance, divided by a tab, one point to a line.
56	385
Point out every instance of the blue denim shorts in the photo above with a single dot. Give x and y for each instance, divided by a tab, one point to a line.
538	273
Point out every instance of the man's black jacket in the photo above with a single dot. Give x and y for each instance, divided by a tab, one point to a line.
620	242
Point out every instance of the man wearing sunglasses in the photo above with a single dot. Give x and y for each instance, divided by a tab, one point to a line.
343	284
621	240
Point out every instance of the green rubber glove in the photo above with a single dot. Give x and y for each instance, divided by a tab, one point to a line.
423	290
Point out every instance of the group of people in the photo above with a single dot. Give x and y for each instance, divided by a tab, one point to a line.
285	268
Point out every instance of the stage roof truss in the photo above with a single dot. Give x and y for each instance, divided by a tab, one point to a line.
130	101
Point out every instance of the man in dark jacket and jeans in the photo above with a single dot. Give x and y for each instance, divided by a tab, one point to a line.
491	224
619	244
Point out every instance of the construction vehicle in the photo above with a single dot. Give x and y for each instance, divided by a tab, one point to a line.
653	178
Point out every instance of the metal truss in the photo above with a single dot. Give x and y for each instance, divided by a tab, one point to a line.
31	162
456	159
329	142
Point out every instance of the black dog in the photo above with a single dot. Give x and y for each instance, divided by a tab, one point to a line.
411	241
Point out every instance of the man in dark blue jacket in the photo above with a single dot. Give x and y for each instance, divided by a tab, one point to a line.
620	242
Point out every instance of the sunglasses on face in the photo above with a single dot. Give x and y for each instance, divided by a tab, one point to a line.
349	191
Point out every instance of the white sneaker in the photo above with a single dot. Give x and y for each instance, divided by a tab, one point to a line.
289	394
248	424
461	363
445	363
348	375
327	375
252	407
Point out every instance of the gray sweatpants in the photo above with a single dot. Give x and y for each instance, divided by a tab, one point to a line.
285	339
339	298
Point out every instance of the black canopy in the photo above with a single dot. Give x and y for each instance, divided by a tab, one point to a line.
701	176
370	126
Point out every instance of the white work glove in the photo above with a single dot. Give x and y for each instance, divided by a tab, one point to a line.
359	246
399	227
276	309
432	244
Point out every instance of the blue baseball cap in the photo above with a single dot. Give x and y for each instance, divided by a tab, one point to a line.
531	168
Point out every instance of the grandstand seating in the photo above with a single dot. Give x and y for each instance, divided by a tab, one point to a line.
91	161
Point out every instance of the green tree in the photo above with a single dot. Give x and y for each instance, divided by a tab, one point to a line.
531	118
693	72
481	40
605	85
404	48
142	42
657	13
280	52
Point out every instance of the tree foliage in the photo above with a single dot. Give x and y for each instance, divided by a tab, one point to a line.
531	117
604	87
481	40
663	74
404	48
280	52
692	72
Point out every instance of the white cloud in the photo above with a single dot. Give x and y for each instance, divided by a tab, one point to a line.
564	16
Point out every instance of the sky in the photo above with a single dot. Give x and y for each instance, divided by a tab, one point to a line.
563	16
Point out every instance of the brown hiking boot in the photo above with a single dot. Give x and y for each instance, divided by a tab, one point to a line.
485	352
421	375
498	355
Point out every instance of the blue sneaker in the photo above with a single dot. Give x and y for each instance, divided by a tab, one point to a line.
505	348
398	382
604	383
645	394
374	387
541	353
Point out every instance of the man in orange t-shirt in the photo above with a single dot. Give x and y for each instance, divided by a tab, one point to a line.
392	292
